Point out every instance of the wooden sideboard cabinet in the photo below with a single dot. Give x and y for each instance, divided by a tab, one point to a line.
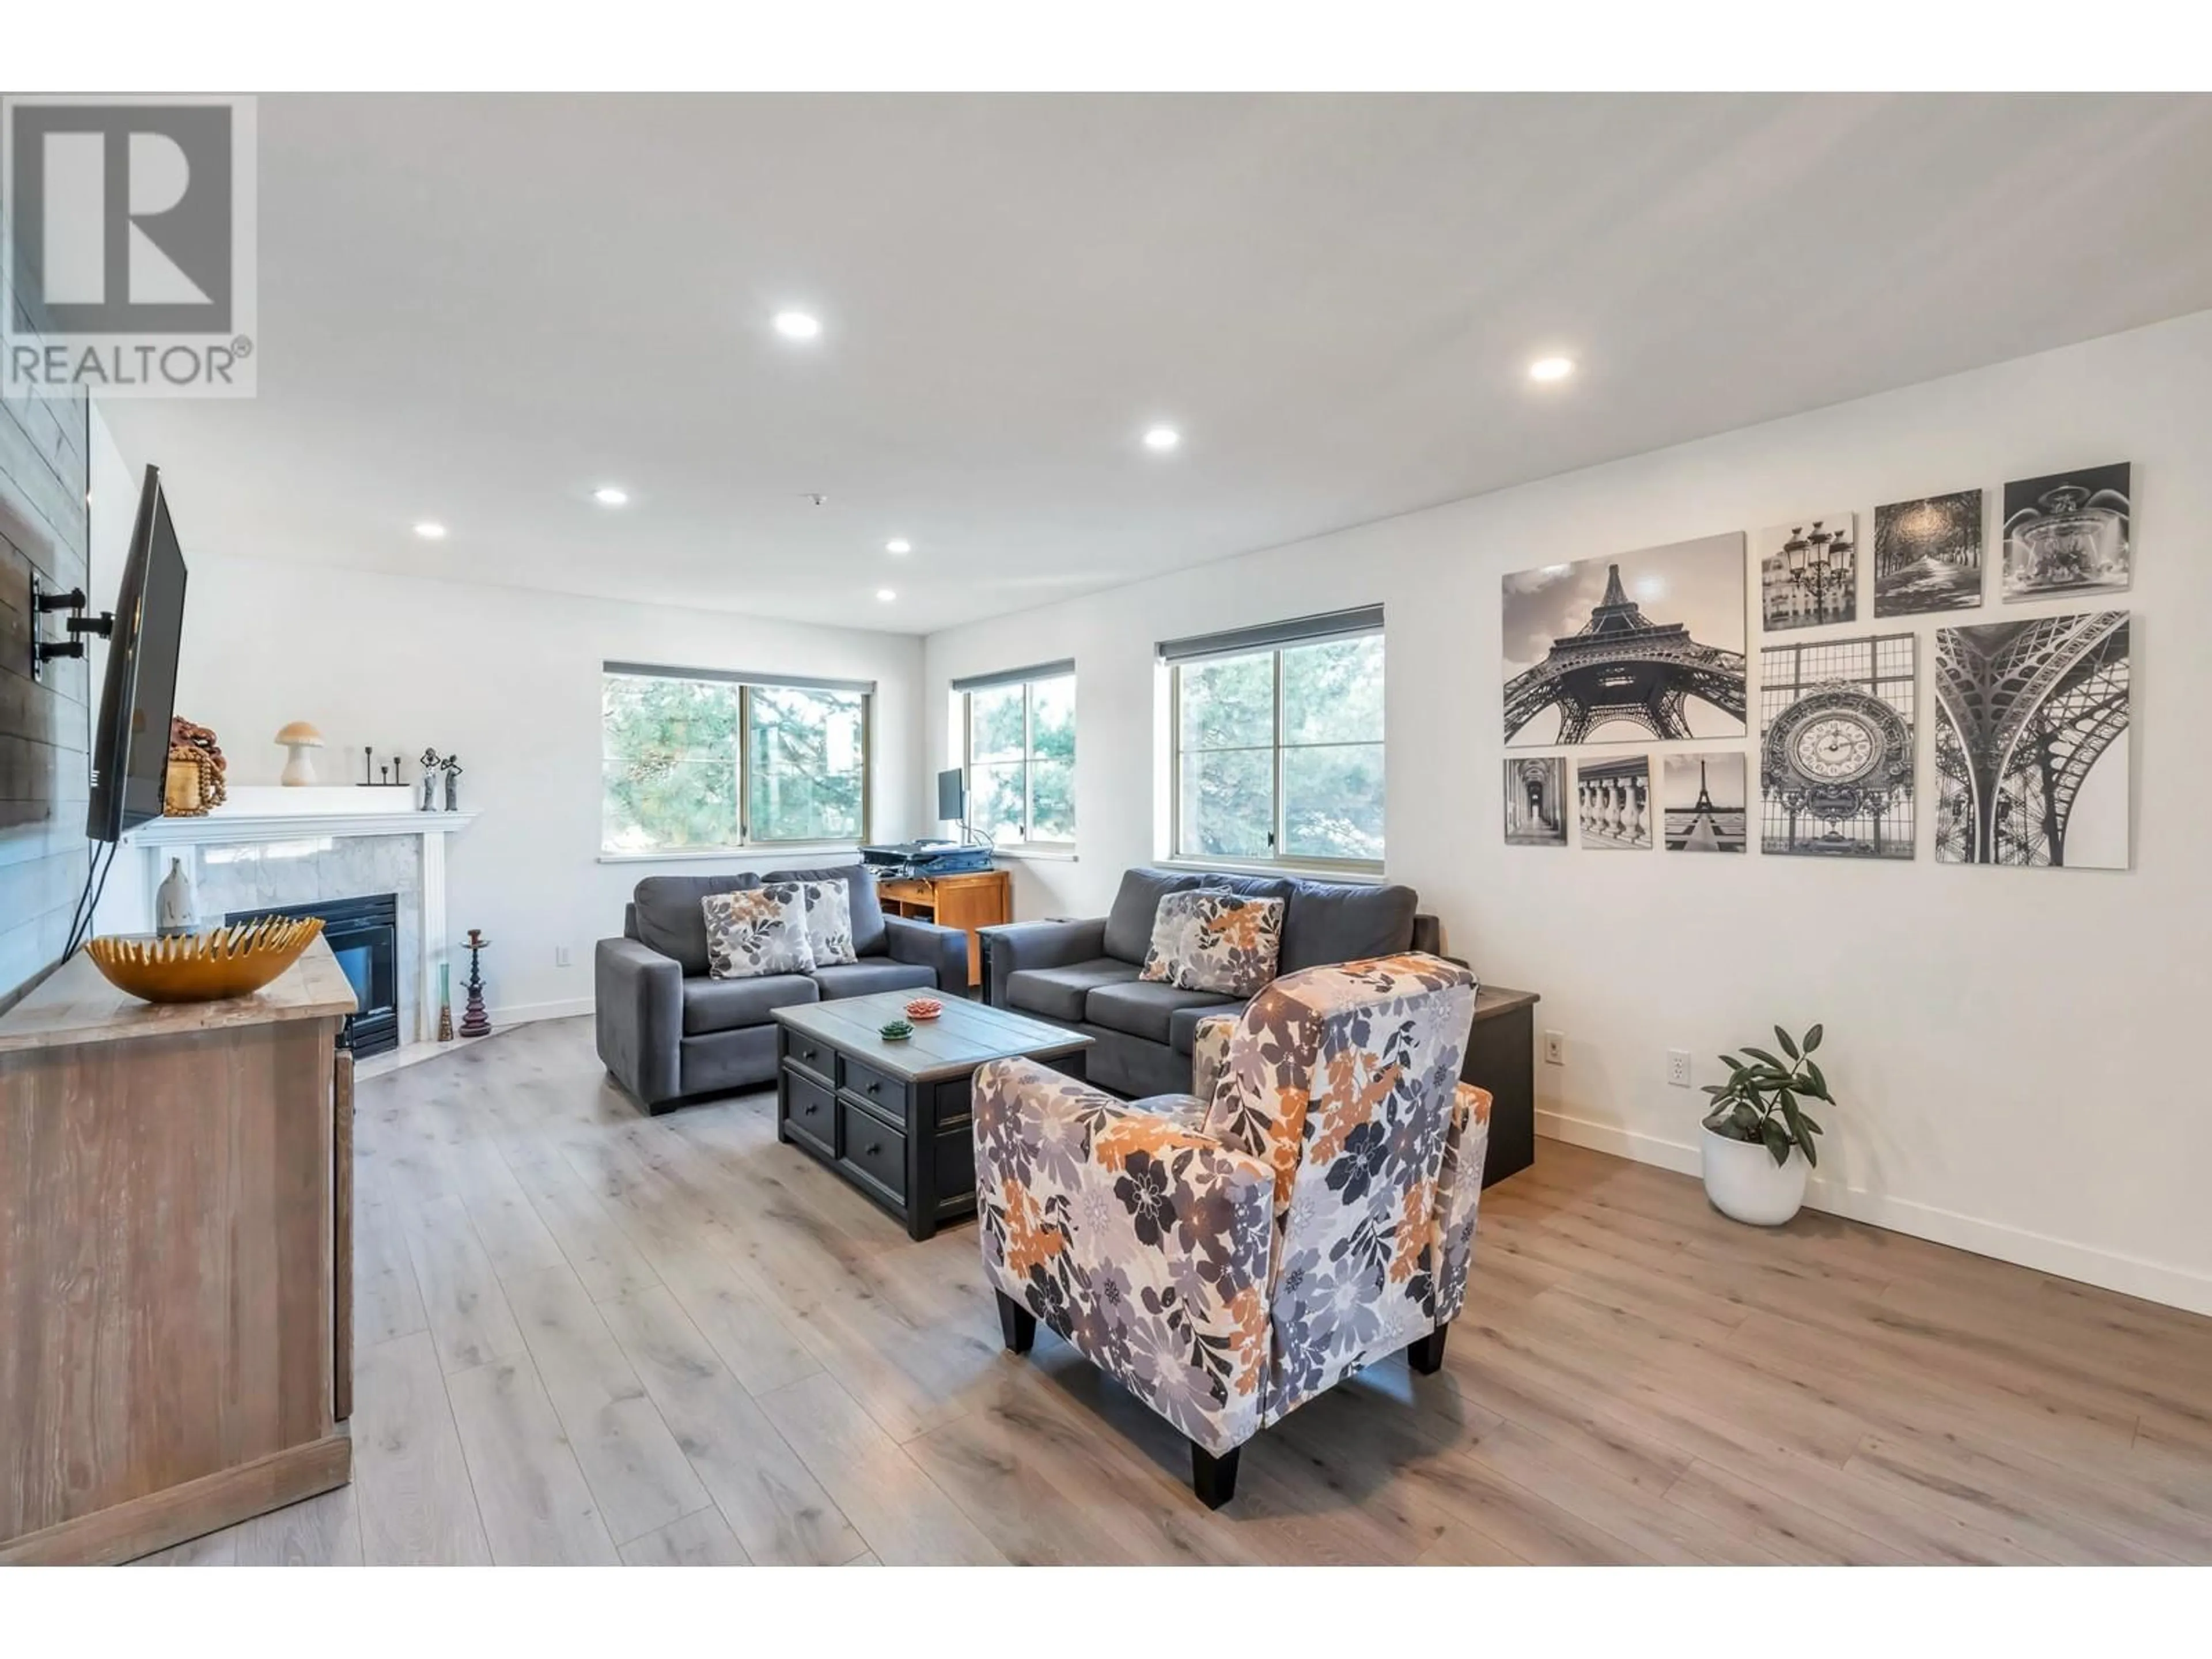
175	1260
981	898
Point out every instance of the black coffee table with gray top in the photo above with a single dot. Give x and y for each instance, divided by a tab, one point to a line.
896	1118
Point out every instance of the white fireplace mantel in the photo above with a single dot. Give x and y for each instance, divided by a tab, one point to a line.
268	816
263	812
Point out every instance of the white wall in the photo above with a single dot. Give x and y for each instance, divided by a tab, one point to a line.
2016	1050
509	681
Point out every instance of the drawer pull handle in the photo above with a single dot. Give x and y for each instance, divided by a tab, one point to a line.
876	1149
874	1087
810	1108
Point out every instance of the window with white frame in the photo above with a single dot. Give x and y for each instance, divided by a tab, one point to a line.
1277	743
694	760
1018	754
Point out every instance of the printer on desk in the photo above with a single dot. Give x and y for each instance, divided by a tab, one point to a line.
926	859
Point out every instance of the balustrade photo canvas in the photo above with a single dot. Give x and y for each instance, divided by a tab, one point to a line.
1703	800
1809	571
2068	533
1835	755
1536	802
1627	648
1613	803
1928	555
2032	742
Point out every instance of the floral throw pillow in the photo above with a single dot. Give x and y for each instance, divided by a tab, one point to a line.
1205	941
828	922
757	931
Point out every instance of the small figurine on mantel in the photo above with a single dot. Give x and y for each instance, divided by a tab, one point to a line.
434	766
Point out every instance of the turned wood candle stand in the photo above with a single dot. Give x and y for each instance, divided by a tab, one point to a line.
474	1021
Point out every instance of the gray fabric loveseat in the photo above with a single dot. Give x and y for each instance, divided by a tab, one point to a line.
670	1033
1084	974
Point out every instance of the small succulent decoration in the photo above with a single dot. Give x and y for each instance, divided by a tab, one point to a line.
1762	1101
896	1031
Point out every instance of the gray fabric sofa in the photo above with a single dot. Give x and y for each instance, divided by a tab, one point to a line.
670	1033
1084	974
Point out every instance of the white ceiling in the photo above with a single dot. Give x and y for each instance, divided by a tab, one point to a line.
475	309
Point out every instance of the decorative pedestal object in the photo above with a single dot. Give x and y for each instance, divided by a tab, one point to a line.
175	908
1745	1184
300	740
474	1021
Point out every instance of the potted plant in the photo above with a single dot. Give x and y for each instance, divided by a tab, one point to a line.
1758	1143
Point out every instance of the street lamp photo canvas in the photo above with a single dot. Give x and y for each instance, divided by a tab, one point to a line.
1928	555
2032	742
1809	571
1627	648
2068	533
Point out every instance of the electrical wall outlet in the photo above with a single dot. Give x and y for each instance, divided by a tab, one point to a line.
1678	1067
1555	1048
560	956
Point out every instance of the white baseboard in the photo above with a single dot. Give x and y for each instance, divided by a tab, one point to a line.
522	1013
2153	1281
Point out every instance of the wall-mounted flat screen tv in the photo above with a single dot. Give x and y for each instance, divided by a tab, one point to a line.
130	740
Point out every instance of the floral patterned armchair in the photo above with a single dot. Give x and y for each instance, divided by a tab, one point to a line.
1227	1254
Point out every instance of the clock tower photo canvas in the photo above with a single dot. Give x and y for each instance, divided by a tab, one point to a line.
1835	752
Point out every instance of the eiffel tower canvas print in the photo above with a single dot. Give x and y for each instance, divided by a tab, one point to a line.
1624	649
2032	742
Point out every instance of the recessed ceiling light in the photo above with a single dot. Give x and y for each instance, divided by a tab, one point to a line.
1163	439
610	495
430	531
885	594
1551	369
798	325
898	544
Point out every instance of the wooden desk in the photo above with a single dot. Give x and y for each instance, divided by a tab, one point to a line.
1501	1057
174	1240
981	898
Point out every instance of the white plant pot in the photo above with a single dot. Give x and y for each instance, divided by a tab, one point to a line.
1745	1184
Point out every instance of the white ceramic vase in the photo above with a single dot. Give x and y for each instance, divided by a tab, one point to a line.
1745	1184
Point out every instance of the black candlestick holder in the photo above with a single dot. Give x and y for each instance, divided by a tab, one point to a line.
373	776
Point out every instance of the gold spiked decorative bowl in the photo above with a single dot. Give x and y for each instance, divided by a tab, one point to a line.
226	962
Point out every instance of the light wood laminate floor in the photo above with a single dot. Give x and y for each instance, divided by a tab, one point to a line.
584	1335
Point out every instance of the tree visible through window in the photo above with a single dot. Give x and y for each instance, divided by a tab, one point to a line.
693	763
1021	762
1279	754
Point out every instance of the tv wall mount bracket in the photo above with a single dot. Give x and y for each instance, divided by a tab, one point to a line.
77	625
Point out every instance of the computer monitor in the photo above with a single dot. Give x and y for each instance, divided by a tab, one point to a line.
952	795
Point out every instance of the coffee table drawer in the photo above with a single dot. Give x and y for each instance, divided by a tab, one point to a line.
873	1149
811	1054
809	1113
879	1089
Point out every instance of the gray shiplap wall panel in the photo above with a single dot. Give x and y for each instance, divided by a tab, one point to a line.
43	727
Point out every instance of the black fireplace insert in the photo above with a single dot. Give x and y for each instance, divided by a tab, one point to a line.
364	936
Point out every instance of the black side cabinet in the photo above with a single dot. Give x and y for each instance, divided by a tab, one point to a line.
1501	1057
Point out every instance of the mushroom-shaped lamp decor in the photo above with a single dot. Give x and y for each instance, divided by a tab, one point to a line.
300	740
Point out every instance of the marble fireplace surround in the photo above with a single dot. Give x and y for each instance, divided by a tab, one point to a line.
270	846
